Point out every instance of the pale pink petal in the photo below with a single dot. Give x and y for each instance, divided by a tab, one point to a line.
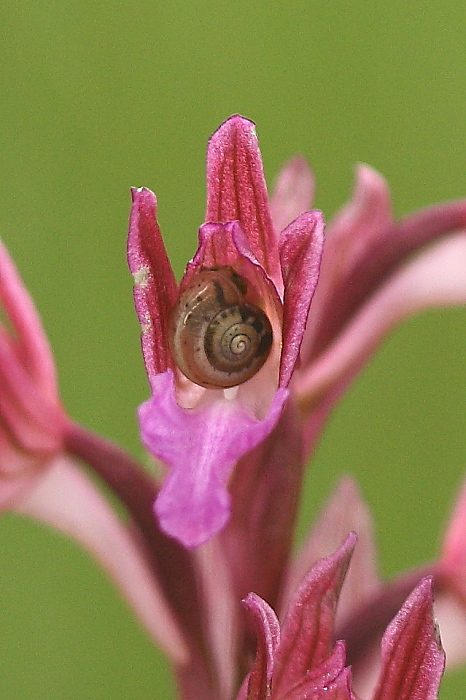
450	612
450	605
412	656
267	633
435	278
32	341
353	230
300	246
312	609
67	500
345	511
452	564
292	194
236	189
374	264
155	288
12	488
201	446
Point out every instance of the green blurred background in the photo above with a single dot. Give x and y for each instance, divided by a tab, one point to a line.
96	97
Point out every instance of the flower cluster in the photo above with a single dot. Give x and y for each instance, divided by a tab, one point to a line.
245	358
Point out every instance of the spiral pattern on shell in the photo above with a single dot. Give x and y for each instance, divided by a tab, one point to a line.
217	339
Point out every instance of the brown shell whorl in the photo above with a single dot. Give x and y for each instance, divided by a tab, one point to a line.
217	339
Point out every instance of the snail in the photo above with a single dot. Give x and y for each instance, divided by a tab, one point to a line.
216	337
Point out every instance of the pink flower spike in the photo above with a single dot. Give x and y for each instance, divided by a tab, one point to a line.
193	503
412	656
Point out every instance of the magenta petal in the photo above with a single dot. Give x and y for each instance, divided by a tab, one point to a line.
155	288
412	656
301	245
236	189
338	688
267	632
312	609
201	446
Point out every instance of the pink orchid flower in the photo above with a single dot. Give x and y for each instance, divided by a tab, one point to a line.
201	428
299	658
234	451
368	283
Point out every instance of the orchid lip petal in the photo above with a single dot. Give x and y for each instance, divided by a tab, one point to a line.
201	446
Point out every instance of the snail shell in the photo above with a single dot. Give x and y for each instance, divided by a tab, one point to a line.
217	339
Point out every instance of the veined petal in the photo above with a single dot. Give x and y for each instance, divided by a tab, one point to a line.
339	688
267	633
236	189
292	194
201	446
301	245
312	608
412	656
155	288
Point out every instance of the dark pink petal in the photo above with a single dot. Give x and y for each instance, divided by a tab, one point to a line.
201	446
33	348
236	189
345	511
155	288
307	631
267	633
338	688
293	192
301	245
412	656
